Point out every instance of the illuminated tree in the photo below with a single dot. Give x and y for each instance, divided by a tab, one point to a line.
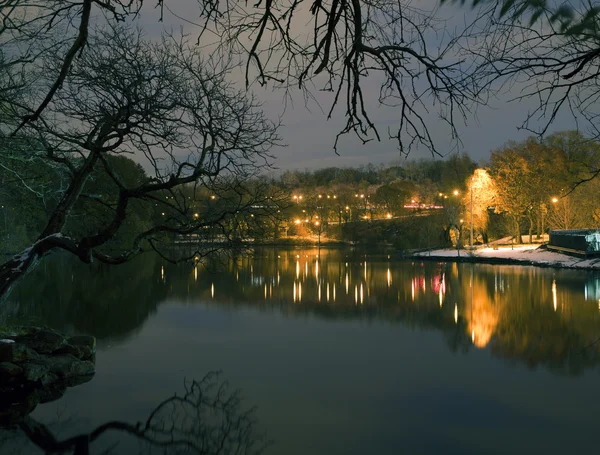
510	172
479	197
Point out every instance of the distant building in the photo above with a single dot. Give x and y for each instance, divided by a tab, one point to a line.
582	242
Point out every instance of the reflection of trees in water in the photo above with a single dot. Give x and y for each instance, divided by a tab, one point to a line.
484	316
521	315
98	299
514	311
207	419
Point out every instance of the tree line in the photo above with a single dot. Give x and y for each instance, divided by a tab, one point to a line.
80	83
527	187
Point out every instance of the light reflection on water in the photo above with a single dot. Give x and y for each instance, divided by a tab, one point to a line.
485	301
484	296
344	340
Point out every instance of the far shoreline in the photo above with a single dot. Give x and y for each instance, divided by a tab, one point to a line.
525	255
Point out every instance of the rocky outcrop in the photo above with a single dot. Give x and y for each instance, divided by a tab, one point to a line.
37	365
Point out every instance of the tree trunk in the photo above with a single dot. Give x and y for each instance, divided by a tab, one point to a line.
16	267
12	270
485	236
530	228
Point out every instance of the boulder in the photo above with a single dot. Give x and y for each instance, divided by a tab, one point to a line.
68	366
75	351
12	412
9	372
87	353
37	366
44	341
35	370
52	392
83	340
16	352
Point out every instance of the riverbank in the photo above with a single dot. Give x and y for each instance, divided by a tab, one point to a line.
511	255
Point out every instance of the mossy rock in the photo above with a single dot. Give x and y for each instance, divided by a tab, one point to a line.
68	366
44	341
10	373
75	351
83	340
35	370
11	351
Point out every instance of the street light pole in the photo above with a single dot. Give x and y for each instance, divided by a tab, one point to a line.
471	214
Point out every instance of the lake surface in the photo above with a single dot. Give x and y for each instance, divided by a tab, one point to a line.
341	352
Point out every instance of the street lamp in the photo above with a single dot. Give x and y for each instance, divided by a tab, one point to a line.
471	240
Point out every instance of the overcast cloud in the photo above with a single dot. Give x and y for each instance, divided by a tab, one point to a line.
310	137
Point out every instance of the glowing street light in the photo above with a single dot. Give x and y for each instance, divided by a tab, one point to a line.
471	238
456	192
554	200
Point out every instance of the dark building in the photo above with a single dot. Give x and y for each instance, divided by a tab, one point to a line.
582	242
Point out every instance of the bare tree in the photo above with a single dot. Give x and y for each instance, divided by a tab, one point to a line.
547	53
406	50
163	103
347	41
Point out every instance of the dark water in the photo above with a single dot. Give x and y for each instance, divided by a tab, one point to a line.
340	352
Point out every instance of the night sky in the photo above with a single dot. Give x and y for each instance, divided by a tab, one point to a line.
309	137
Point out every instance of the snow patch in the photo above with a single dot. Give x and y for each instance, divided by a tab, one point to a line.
525	253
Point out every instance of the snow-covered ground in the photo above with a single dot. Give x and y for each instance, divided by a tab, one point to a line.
530	254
